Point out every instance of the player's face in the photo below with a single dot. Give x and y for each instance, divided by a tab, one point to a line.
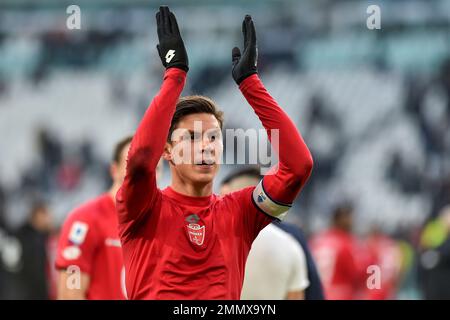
347	222
196	148
42	220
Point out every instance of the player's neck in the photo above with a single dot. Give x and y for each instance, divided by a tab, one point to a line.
192	190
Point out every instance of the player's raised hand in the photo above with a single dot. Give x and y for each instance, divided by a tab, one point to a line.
171	46
245	64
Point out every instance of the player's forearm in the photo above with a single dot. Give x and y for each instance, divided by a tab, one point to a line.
150	136
295	160
148	144
139	188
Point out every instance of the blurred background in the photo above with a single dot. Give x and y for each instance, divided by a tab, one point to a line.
372	105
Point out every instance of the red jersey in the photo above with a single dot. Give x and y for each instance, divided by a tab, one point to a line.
89	241
181	247
342	276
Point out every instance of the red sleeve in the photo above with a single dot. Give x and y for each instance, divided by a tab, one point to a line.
77	243
250	219
139	191
275	194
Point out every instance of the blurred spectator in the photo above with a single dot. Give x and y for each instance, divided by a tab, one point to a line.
435	257
87	154
440	191
10	250
326	140
50	154
50	149
407	177
32	277
408	279
335	251
68	175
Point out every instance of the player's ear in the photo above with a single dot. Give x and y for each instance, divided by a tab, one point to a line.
167	154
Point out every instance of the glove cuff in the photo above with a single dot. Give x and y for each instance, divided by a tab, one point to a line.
179	66
245	76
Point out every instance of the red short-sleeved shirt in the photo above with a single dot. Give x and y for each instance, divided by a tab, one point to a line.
89	241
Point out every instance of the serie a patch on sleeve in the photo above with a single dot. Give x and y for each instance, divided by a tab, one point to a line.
268	205
78	232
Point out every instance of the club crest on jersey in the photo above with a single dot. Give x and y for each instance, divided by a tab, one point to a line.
196	233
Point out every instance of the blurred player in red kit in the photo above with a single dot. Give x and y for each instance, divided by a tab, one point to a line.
89	241
335	250
384	253
184	242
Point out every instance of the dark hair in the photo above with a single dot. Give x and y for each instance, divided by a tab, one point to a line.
37	206
119	147
191	105
252	172
341	210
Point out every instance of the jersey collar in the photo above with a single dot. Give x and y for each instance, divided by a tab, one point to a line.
189	200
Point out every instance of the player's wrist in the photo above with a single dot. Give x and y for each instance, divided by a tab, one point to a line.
176	75
248	82
180	67
245	76
175	71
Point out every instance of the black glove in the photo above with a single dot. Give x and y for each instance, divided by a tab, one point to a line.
171	47
246	64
